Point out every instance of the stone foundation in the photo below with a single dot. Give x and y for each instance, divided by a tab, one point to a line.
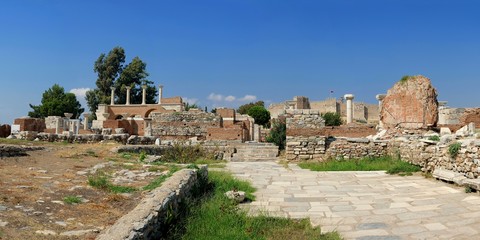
160	209
16	151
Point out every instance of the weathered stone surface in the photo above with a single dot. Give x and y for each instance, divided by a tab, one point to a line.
237	196
5	130
411	104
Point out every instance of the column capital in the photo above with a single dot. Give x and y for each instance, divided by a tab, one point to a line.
144	86
160	85
380	97
112	88
349	96
128	88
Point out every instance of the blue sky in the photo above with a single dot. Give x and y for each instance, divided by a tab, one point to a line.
228	52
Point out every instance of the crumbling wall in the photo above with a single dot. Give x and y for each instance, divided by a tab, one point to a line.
410	104
30	124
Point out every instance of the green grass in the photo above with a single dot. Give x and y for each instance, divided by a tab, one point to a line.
72	199
157	182
392	166
434	138
211	163
217	217
101	181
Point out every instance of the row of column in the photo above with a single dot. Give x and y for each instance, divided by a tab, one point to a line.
144	95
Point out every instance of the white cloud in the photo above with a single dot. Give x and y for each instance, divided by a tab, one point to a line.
190	100
230	98
215	97
79	92
248	98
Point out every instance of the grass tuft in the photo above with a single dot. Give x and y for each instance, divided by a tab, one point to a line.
389	164
72	199
101	181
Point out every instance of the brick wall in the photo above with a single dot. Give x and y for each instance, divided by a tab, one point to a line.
225	134
30	124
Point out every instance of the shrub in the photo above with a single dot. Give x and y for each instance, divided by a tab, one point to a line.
405	78
278	134
185	154
332	119
454	148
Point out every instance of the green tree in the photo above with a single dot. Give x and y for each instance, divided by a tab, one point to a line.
278	133
188	106
245	107
111	72
55	102
332	119
260	114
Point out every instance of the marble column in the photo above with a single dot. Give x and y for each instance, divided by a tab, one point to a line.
85	121
380	98
349	98
160	93
144	94
112	96
128	95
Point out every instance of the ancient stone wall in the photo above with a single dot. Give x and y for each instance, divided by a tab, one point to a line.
5	130
229	134
162	207
322	148
355	148
305	148
410	104
184	124
30	124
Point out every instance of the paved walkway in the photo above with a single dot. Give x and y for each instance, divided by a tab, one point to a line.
364	205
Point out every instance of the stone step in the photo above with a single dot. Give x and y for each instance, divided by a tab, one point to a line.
250	152
254	159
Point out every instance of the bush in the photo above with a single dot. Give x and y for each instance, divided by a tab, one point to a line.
278	134
260	114
185	154
454	148
332	119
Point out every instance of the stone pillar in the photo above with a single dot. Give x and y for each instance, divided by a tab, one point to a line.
144	94
147	129
128	95
58	125
349	98
85	121
160	93
380	98
112	96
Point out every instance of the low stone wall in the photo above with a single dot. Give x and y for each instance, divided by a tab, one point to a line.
435	155
160	209
305	148
16	151
354	148
323	148
85	138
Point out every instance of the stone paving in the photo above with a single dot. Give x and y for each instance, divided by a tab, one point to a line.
363	205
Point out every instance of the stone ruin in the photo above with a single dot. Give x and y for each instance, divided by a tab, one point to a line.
410	104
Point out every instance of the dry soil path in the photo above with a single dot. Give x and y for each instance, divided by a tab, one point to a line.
364	205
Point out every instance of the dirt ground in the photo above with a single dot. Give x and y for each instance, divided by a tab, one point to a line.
33	191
